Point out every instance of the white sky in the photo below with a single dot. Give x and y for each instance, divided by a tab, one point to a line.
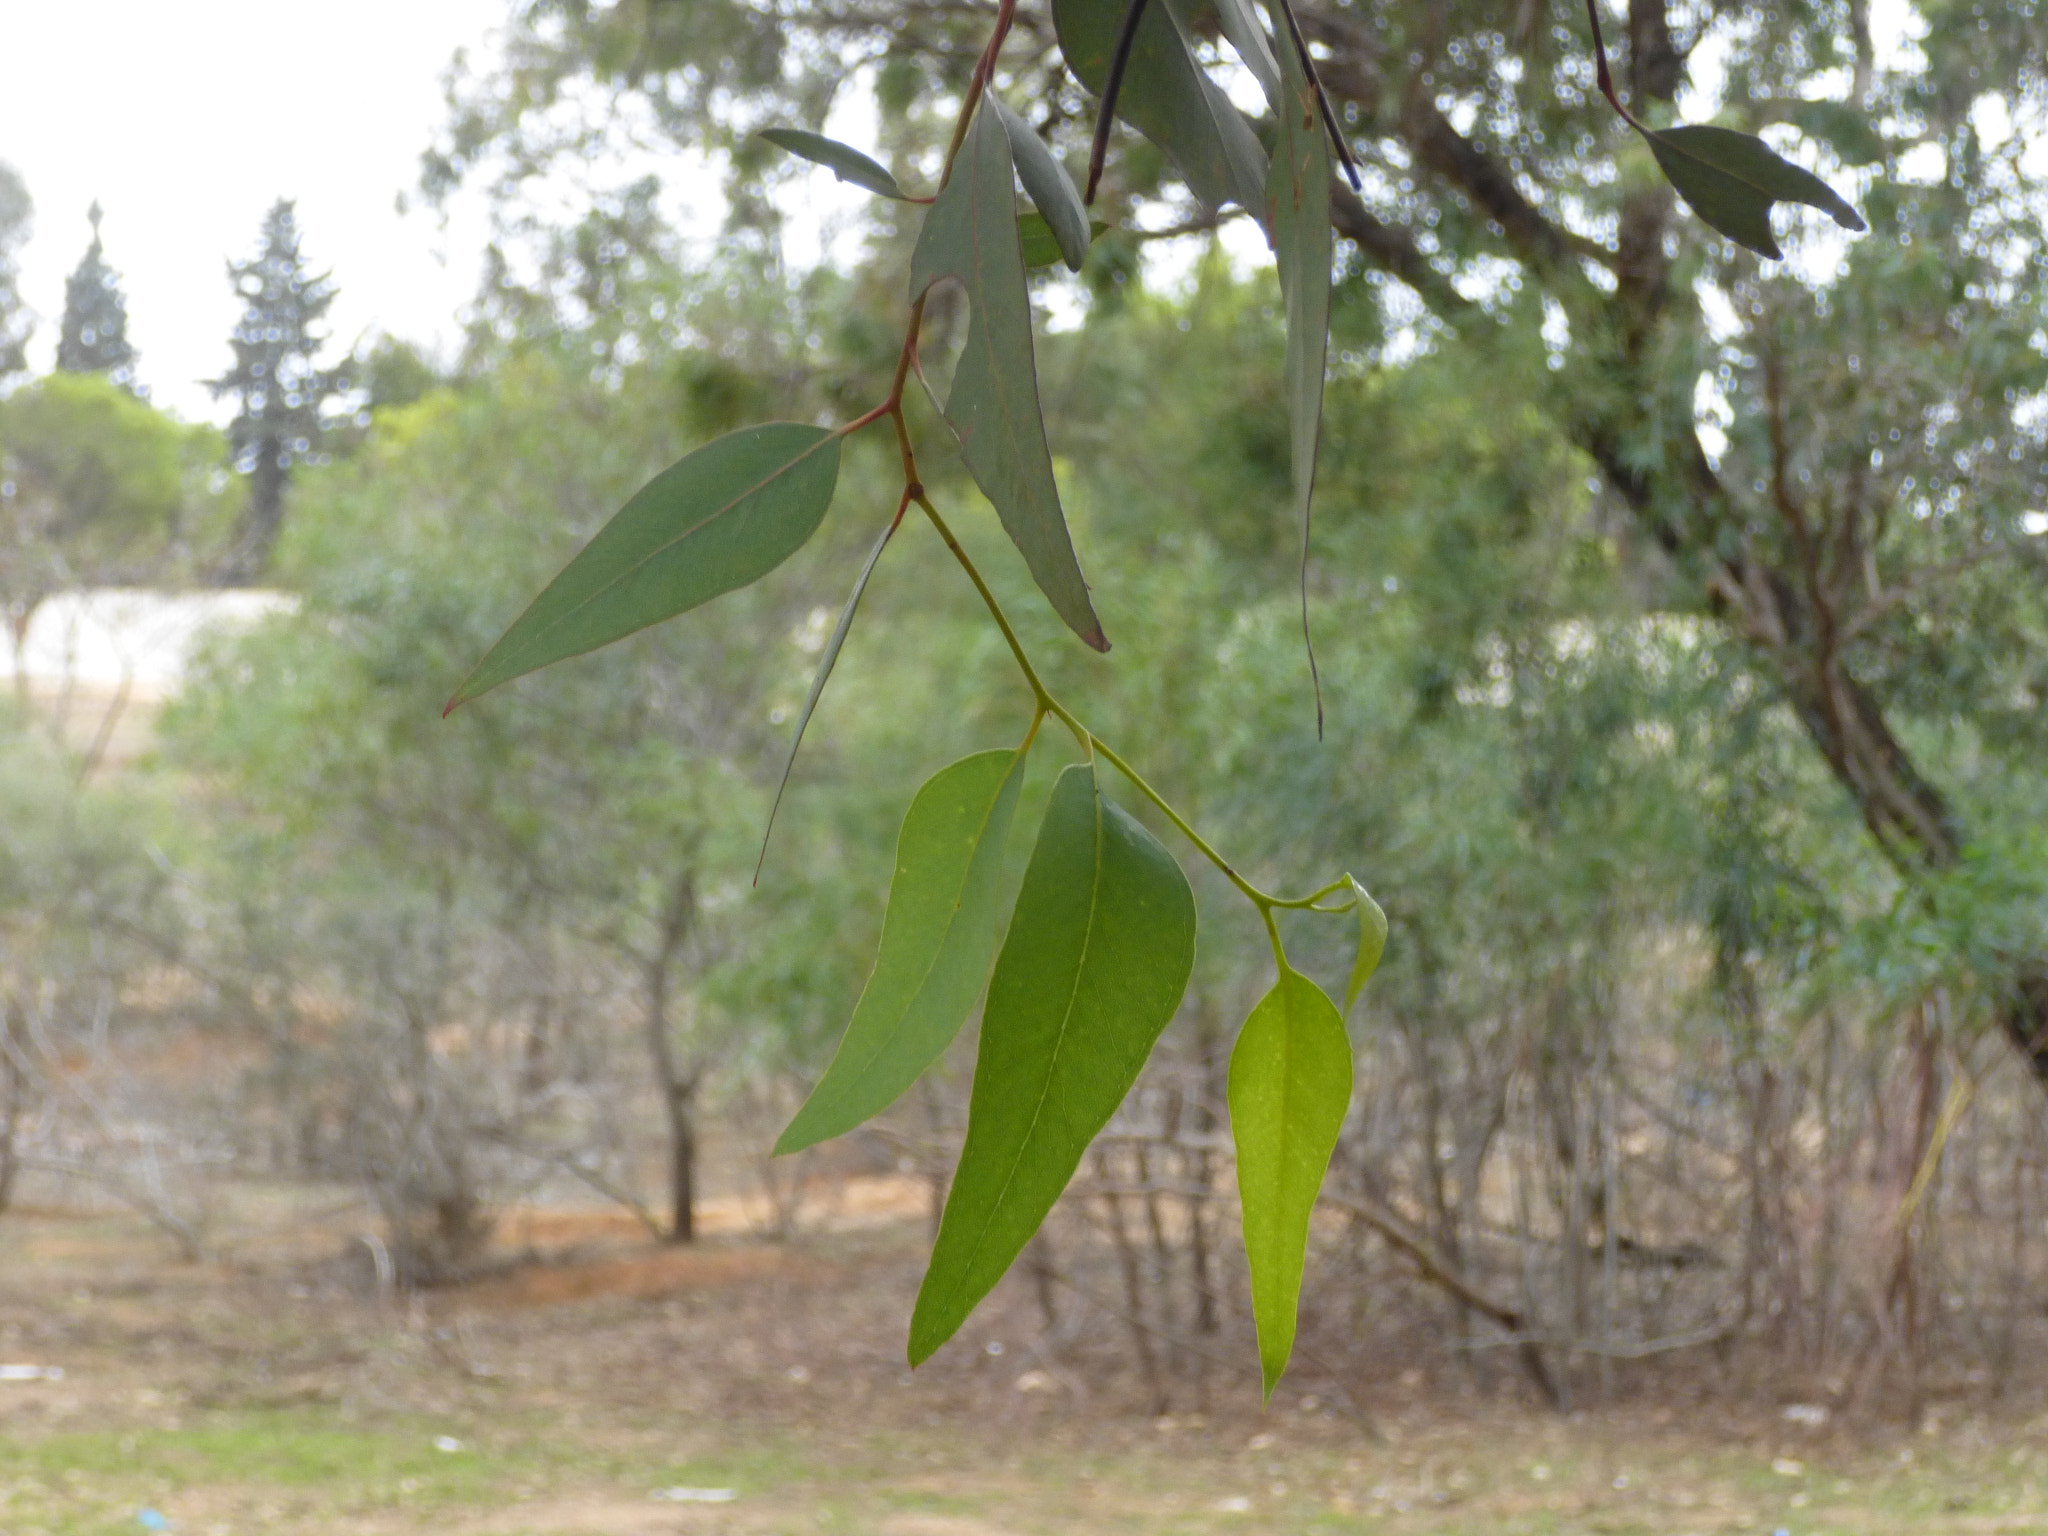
187	118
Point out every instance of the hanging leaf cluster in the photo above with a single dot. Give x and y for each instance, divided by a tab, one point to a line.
1091	966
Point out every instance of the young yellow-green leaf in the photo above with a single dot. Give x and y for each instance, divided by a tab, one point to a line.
1050	188
842	160
1041	245
1298	214
1290	1087
1731	180
1092	968
937	936
1372	942
823	675
717	519
1166	96
970	235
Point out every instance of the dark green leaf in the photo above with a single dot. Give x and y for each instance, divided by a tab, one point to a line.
1290	1087
1094	965
718	519
971	235
826	663
1731	180
1050	188
1166	96
937	936
1372	942
842	160
1041	245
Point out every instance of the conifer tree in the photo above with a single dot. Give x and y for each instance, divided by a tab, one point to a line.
94	335
15	215
280	389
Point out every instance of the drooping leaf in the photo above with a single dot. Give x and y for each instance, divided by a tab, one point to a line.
826	663
1041	245
937	936
842	160
1290	1087
1166	96
1092	968
717	519
1372	942
1240	24
1298	204
1731	180
970	235
1050	188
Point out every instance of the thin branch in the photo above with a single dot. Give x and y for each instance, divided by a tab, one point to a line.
1119	60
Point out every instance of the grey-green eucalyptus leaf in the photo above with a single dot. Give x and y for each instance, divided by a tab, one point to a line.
1731	180
1047	184
717	519
842	160
938	933
970	235
1093	966
1167	97
1290	1088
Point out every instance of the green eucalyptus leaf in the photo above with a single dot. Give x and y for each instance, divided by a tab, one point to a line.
1041	245
1166	96
826	663
1050	188
1290	1087
842	160
1094	964
1731	180
719	518
937	936
970	235
1372	942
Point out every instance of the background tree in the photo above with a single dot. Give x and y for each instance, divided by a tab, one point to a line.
94	335
281	392
16	218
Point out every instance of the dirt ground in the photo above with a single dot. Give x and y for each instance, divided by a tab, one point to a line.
614	1387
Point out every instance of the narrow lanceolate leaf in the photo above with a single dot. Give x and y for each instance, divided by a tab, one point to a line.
1166	96
1094	965
719	518
842	160
971	235
1372	942
1047	184
937	936
1290	1086
826	663
1298	202
1732	179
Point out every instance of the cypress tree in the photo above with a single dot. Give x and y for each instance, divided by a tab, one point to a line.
280	390
94	335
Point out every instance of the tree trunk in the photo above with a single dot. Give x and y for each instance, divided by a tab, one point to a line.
678	1085
256	535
